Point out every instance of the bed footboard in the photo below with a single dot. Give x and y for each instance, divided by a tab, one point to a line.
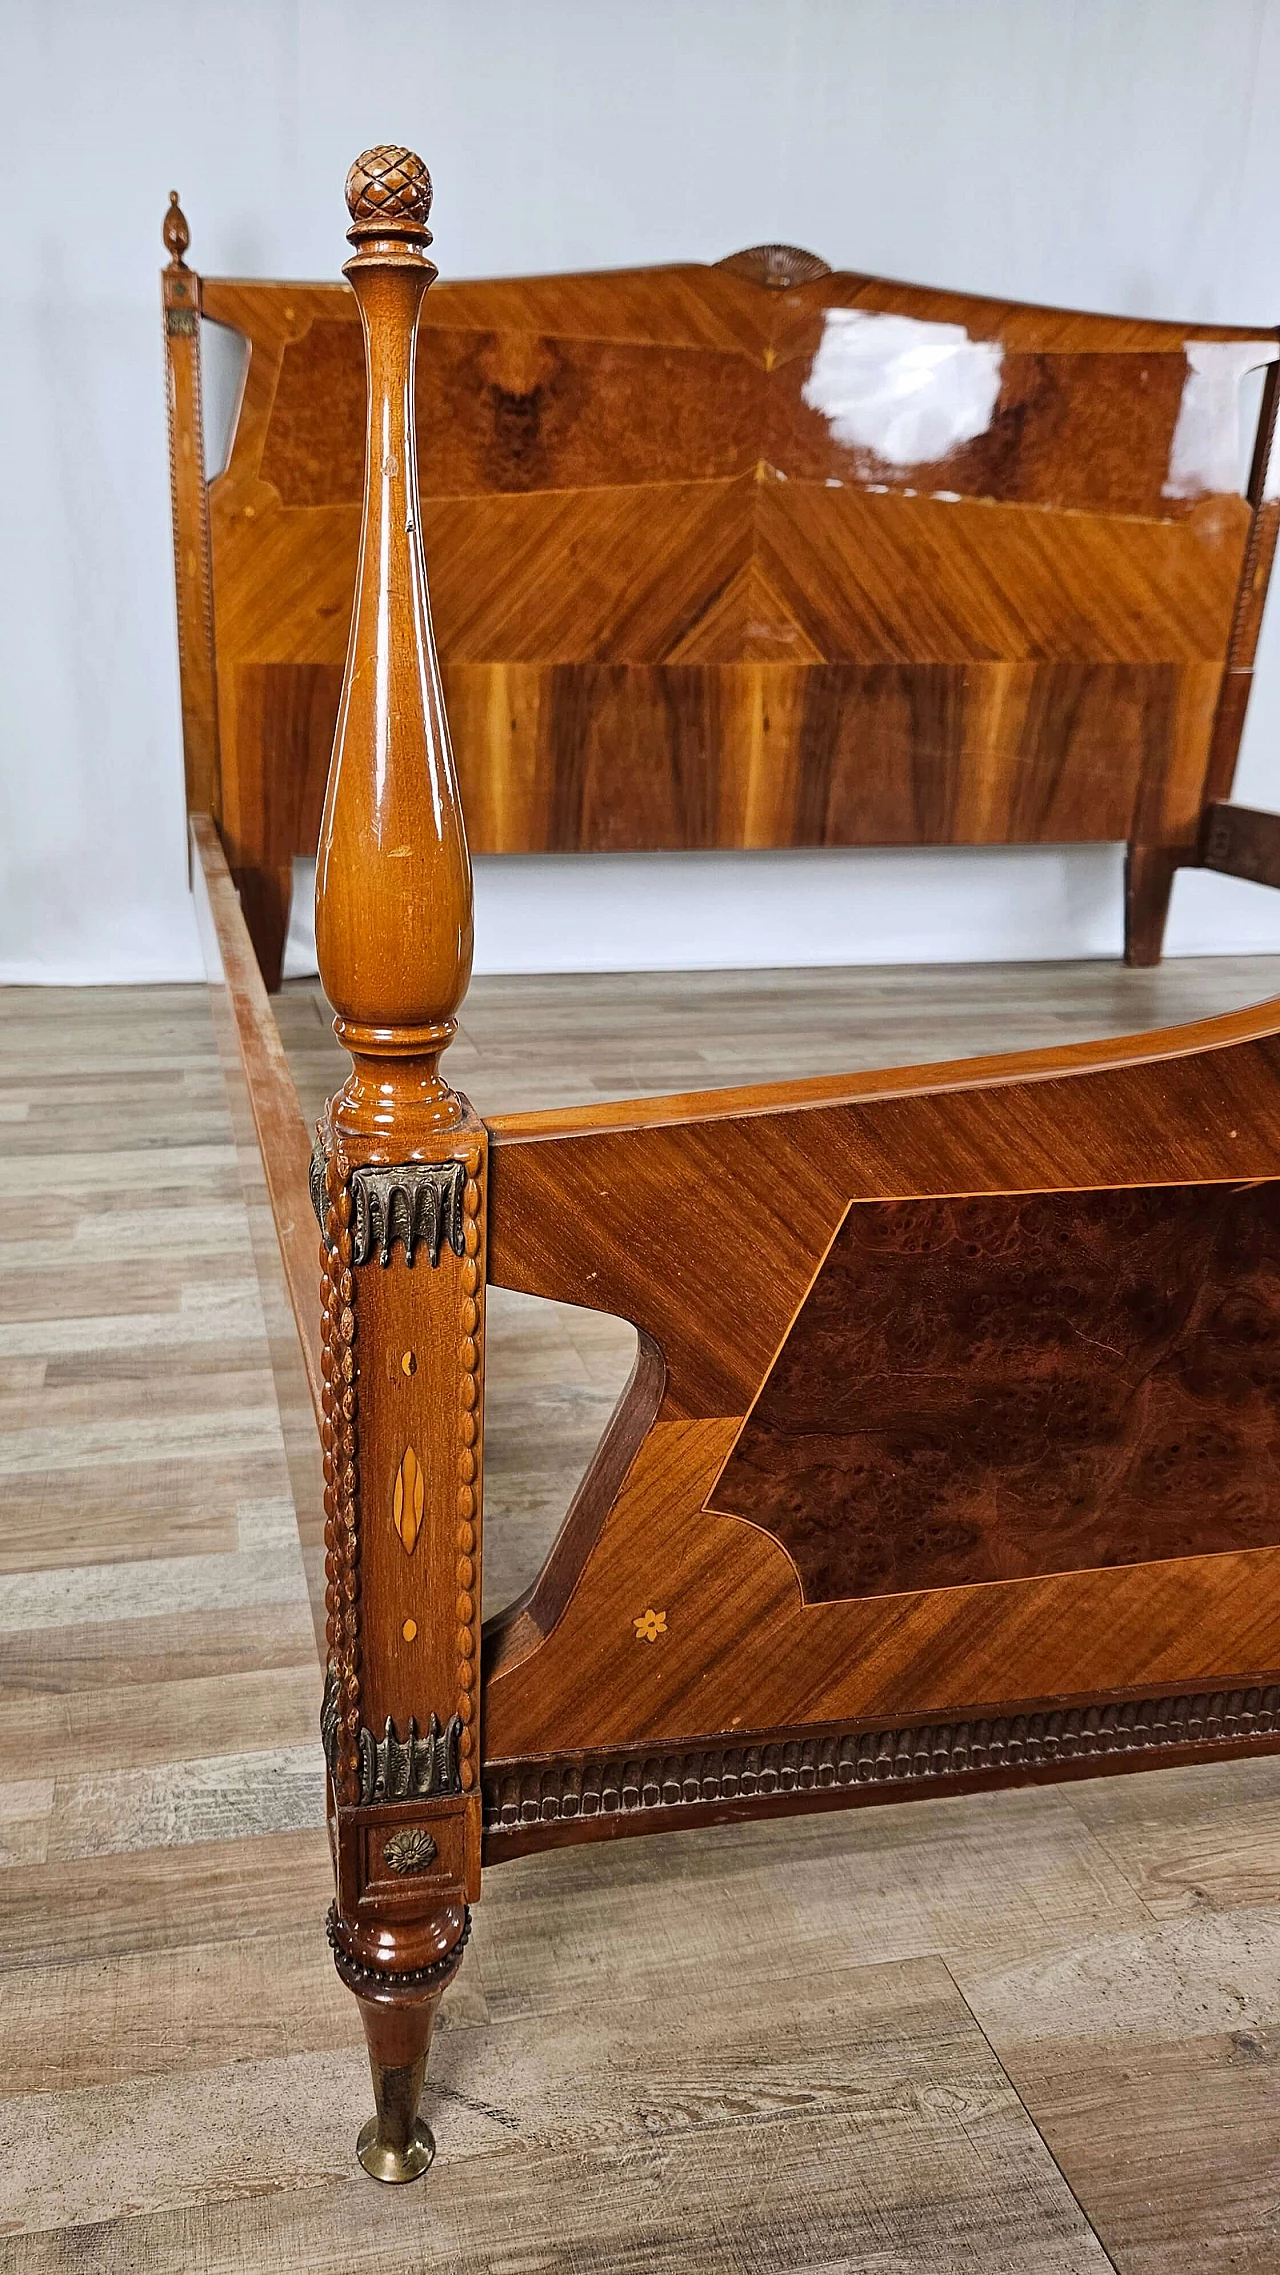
966	1464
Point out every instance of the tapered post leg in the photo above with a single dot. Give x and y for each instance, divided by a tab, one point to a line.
1148	883
398	1997
396	2144
400	1181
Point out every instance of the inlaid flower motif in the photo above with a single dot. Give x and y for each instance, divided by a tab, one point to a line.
410	1850
650	1626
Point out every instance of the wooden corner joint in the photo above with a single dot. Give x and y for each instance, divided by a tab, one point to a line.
1241	841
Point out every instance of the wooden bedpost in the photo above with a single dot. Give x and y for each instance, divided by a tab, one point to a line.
1149	871
400	1182
190	502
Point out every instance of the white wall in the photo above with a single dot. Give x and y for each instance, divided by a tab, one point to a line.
1114	154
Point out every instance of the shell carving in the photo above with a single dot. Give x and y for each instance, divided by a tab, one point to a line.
408	1500
776	267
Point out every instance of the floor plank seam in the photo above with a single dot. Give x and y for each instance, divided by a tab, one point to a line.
1029	2114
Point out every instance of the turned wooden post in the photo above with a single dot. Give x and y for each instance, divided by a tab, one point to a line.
400	1177
189	498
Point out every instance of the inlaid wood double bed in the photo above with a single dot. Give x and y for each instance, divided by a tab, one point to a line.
951	1456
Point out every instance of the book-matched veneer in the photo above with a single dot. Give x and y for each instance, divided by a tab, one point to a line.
757	554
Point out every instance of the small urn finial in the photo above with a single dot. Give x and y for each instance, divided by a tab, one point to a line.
177	235
389	195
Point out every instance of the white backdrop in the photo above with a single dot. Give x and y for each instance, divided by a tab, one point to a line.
1114	154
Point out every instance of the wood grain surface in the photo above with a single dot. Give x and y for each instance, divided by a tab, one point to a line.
743	1192
987	1390
683	599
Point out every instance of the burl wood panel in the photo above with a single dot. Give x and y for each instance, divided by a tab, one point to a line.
991	1389
706	1220
697	584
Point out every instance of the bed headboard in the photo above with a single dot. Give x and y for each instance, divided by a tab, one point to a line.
757	554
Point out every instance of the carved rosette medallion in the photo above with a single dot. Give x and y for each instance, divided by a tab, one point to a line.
411	1850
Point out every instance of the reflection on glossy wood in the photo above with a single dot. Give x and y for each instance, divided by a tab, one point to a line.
694	589
393	936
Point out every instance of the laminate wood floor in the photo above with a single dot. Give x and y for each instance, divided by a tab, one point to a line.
1034	2032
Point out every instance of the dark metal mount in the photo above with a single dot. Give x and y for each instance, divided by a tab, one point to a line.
418	1203
410	1768
392	1768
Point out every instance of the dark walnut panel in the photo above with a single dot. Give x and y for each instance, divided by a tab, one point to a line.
876	399
574	759
604	757
1082	433
511	411
994	1389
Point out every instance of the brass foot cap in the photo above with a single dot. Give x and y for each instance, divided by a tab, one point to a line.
386	2160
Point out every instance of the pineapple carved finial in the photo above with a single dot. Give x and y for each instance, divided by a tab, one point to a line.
389	194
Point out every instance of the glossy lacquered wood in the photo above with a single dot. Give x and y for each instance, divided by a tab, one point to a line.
948	1451
695	586
994	1389
712	1219
400	1175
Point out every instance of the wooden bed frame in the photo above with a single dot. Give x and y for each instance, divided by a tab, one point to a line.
717	563
951	1457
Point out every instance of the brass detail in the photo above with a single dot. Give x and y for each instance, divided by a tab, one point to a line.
409	1630
400	1981
776	267
409	1363
410	1850
181	323
409	1499
418	1203
396	2144
329	1718
649	1626
409	1768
